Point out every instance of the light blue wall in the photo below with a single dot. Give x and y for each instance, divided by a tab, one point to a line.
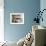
43	6
28	7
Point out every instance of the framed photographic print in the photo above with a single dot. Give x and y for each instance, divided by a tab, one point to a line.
16	18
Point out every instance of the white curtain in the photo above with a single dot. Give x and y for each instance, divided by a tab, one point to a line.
1	20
